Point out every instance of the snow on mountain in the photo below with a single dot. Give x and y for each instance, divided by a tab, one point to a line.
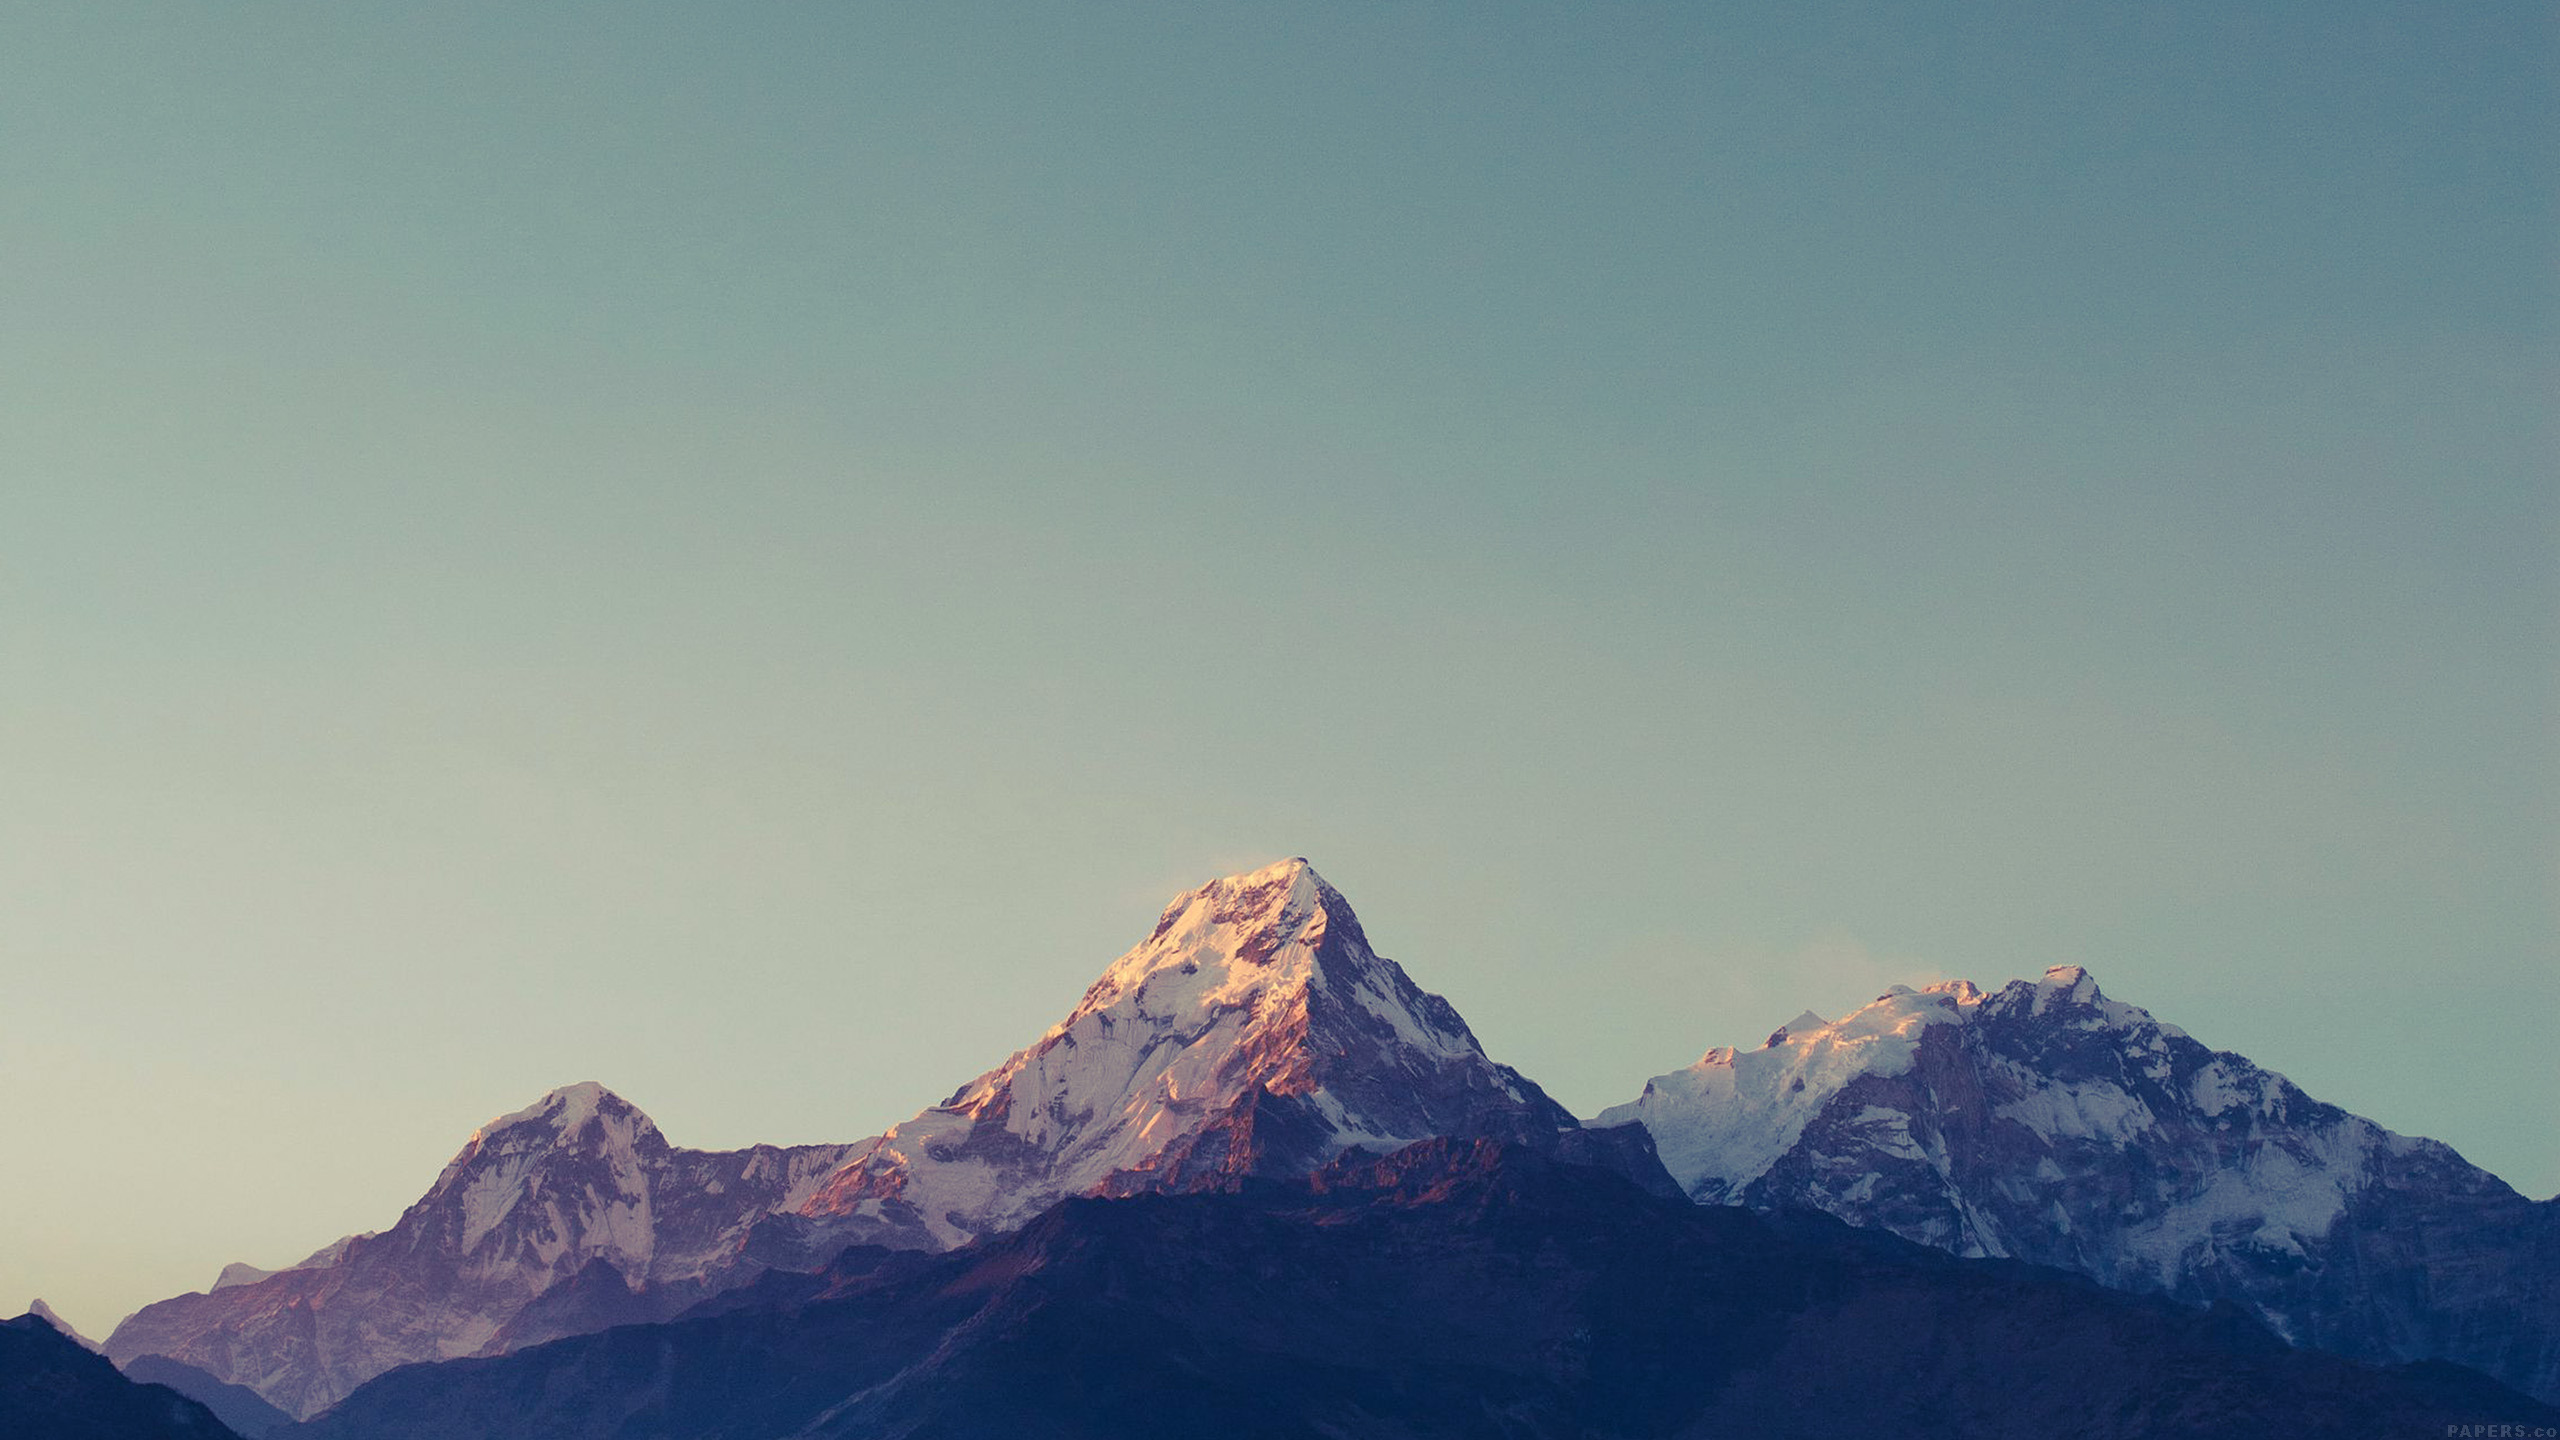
1253	1032
2051	1123
1724	1121
581	1178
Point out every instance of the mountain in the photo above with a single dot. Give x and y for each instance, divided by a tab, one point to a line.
45	1313
2050	1123
53	1388
234	1405
1254	1033
580	1179
1451	1289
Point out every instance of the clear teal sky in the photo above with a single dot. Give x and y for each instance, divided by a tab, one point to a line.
743	552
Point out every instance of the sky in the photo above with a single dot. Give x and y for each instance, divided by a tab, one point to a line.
746	552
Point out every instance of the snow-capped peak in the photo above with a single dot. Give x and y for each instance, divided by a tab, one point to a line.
534	1198
1804	1024
575	1163
2048	1122
1218	943
1254	995
568	1109
1725	1120
2066	984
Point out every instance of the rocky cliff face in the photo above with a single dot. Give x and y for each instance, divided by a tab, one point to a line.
578	1180
2053	1124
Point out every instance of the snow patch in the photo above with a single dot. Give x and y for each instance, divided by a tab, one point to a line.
2092	1110
2064	984
1721	1123
1888	1131
2283	1191
563	1109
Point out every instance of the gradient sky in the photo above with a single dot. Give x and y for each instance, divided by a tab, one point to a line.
744	552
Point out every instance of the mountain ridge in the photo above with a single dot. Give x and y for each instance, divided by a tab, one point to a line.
530	1200
54	1388
1254	1015
2049	1122
1253	1033
1450	1288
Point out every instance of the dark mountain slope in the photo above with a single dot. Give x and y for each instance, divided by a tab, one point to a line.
51	1388
1453	1289
237	1406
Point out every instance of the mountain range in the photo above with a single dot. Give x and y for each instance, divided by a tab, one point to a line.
53	1387
574	1194
1454	1288
1254	1039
